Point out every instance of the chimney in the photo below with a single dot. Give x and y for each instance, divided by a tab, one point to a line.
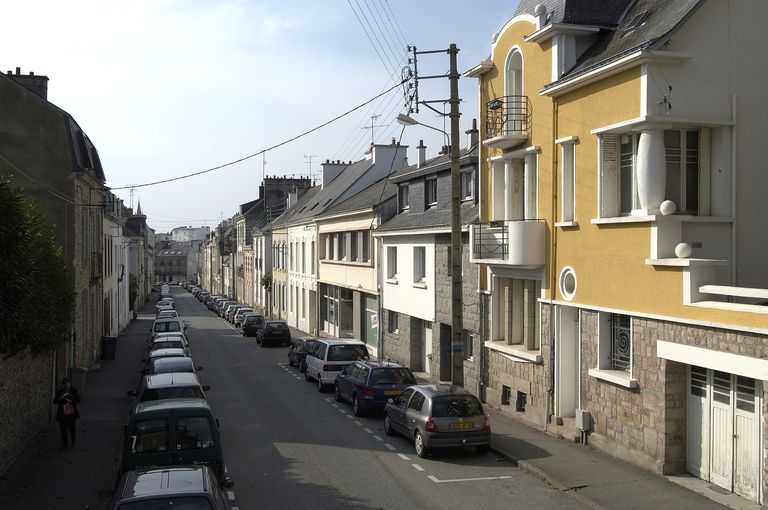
422	153
472	135
331	169
36	84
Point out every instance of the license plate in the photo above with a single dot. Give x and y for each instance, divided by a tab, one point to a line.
392	392
462	426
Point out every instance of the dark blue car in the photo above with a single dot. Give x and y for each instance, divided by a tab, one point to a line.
368	385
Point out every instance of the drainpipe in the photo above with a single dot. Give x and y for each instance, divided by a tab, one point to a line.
552	267
734	279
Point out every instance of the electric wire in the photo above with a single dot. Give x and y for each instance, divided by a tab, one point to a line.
389	71
244	158
383	35
400	30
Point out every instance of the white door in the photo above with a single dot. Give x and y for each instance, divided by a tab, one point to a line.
721	467
567	366
426	336
697	439
746	469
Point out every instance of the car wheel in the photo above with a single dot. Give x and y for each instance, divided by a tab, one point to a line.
418	442
388	430
290	361
483	449
357	410
320	385
337	393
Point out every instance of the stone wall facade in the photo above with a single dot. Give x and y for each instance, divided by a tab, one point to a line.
397	345
26	393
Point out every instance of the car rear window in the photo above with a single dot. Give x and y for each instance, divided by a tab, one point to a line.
167	326
347	352
392	376
167	344
177	392
150	436
179	503
254	319
278	326
456	406
193	432
173	365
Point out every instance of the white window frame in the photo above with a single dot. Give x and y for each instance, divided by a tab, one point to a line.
567	180
419	264
402	197
430	192
392	322
603	370
392	262
467	185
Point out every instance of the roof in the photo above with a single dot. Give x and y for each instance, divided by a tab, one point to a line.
433	218
166	480
646	25
171	403
303	200
367	199
578	12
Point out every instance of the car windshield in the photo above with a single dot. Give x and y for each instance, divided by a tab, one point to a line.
177	392
456	406
167	326
392	376
165	365
278	326
347	352
165	502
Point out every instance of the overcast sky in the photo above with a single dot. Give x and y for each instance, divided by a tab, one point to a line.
166	88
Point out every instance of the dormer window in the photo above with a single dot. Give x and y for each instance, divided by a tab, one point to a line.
430	189
403	197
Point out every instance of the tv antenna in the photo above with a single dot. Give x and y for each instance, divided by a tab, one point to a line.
372	126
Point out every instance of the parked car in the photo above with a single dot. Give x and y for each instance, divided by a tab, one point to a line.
170	342
228	310
171	487
169	385
203	296
164	353
251	323
171	365
239	315
166	326
274	333
297	354
369	385
232	312
329	357
179	431
438	416
165	313
222	306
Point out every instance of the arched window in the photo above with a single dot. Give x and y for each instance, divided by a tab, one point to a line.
513	82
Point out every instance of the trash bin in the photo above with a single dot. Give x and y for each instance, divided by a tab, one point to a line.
77	376
108	347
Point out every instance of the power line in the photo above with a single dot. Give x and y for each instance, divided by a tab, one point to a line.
240	160
405	41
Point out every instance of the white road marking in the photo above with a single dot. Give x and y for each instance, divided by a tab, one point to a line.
389	446
231	495
404	457
335	405
436	480
349	416
342	411
418	468
329	400
368	430
358	422
377	438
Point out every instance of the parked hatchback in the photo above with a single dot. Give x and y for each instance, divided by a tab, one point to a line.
368	385
297	354
167	386
252	323
191	487
274	333
438	416
239	315
329	357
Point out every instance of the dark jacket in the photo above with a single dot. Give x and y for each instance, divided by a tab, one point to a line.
63	396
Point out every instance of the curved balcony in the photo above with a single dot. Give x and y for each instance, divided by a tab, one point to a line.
507	122
518	243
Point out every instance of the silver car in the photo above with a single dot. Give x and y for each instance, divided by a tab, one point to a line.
438	416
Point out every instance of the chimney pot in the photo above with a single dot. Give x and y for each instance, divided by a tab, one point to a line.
422	154
393	141
18	70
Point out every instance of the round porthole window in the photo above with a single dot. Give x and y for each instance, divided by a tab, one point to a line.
568	283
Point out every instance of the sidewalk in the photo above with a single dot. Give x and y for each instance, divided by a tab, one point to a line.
594	477
82	476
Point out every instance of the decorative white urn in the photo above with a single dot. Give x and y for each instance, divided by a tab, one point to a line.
683	250
667	207
651	170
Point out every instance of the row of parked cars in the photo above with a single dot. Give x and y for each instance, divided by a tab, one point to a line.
172	454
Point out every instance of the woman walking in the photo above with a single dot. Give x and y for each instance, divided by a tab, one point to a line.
67	398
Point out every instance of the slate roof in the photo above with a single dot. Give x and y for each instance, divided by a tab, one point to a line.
430	219
467	157
365	200
287	216
617	38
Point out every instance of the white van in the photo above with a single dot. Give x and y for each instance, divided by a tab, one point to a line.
328	357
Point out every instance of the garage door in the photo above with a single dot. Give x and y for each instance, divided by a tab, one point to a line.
723	439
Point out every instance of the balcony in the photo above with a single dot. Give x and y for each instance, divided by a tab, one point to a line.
507	122
518	243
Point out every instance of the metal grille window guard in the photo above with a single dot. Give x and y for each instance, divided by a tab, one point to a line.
621	342
507	115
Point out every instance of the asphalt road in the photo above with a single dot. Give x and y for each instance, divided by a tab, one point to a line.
287	445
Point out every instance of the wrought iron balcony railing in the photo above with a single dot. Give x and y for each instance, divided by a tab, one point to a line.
507	116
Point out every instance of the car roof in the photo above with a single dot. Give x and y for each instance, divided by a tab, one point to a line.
380	364
175	361
339	341
167	480
439	390
171	403
167	319
159	353
171	379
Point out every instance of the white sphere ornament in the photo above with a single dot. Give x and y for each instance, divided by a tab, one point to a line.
667	207
683	250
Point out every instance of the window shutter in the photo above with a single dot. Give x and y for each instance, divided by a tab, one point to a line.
609	179
704	172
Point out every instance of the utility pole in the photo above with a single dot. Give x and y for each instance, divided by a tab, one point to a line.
457	323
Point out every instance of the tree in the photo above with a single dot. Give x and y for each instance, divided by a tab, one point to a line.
35	291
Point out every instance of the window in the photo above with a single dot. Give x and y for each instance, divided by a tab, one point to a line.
403	197
150	436
193	432
364	239
342	239
303	303
330	245
469	344
312	257
419	264
621	342
467	185
303	257
568	179
682	151
392	262
430	190
392	326
354	251
417	402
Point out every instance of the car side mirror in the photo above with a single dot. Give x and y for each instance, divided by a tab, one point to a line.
130	393
206	387
227	483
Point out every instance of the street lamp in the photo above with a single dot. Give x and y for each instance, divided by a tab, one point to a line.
407	120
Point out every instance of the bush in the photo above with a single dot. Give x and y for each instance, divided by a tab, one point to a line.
35	291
